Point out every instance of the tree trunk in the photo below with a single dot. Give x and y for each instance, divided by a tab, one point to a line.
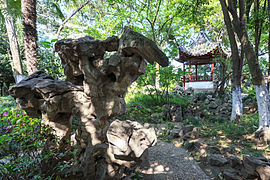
253	63
263	102
237	105
157	77
256	26
268	81
262	94
239	24
237	65
29	16
14	47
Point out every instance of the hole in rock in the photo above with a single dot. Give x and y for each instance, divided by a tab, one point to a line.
38	112
112	77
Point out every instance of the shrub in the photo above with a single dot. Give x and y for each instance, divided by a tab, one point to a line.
21	140
7	101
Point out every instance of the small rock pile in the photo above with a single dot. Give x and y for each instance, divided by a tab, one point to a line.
199	107
211	106
185	133
233	168
221	161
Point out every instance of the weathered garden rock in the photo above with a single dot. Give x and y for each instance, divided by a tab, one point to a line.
230	174
216	160
264	172
213	150
235	162
254	167
192	134
133	42
176	113
173	112
128	140
213	105
94	92
186	129
189	132
175	133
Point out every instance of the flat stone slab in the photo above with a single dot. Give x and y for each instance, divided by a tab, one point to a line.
167	162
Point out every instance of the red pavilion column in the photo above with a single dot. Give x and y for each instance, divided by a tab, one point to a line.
184	68
189	74
212	70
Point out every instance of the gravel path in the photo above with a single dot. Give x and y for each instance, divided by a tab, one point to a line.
167	162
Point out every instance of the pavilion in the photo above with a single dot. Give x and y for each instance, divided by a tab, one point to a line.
201	54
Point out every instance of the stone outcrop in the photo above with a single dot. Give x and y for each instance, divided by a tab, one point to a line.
250	167
94	92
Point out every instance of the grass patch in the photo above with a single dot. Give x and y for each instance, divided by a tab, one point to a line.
146	108
235	136
247	125
7	101
148	100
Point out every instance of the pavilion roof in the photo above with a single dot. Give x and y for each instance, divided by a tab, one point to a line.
200	51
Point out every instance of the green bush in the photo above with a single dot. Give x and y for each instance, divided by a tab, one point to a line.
168	80
144	108
7	101
20	143
134	99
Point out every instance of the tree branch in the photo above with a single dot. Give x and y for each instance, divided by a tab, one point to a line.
157	12
68	18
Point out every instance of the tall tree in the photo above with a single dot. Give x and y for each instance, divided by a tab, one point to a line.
237	65
29	15
268	83
13	43
259	12
239	26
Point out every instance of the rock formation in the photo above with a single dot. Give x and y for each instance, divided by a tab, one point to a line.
95	91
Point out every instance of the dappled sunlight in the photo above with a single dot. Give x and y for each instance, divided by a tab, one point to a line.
156	168
167	161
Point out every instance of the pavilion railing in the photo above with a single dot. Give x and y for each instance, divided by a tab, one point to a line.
188	78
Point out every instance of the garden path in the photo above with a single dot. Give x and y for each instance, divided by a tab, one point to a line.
167	162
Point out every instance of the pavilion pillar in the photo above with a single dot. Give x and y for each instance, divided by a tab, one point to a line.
189	70
184	74
212	70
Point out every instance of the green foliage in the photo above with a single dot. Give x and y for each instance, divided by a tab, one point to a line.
6	75
183	100
169	79
20	142
138	98
247	125
7	102
201	96
144	108
136	176
48	62
193	121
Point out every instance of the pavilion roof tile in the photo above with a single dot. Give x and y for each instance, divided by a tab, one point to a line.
201	45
